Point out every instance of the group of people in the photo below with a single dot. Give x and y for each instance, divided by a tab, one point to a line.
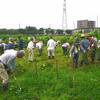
85	50
8	56
31	45
11	44
7	65
80	52
39	45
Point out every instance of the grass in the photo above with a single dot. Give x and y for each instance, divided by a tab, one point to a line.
53	79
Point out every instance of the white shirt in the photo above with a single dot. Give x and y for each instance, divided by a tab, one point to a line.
98	44
39	45
11	51
8	58
51	44
30	45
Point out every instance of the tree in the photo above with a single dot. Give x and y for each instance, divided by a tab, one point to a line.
31	30
59	31
41	31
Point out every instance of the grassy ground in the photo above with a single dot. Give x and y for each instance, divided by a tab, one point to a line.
53	79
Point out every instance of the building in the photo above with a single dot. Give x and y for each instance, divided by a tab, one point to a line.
85	25
81	24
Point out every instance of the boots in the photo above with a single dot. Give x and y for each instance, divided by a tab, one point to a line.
52	57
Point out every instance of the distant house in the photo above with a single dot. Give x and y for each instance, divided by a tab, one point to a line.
85	26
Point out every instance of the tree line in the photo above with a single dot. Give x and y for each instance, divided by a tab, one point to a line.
33	30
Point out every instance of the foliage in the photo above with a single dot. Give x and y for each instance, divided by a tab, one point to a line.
53	79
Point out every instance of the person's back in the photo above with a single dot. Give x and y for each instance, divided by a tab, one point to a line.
30	50
10	45
7	65
21	44
74	53
8	58
51	43
84	44
51	46
65	47
39	45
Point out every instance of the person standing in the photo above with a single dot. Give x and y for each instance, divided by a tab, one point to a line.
20	43
39	46
51	44
74	53
93	48
84	45
7	65
98	50
30	50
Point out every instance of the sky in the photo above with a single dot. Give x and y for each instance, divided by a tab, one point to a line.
46	13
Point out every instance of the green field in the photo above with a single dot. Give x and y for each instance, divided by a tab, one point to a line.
53	79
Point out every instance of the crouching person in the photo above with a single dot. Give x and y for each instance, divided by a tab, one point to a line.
7	65
74	53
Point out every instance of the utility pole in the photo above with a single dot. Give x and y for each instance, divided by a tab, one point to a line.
74	24
19	26
64	17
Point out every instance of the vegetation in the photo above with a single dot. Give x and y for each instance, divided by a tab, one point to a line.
53	79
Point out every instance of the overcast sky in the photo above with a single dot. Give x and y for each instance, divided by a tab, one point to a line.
46	13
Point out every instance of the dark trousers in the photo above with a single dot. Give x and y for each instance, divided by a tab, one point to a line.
64	50
84	58
92	55
75	59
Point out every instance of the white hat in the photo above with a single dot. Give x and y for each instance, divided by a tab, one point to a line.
82	35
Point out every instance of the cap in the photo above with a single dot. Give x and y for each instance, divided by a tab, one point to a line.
82	35
67	44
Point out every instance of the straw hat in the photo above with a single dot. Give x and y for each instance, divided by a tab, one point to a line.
82	35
